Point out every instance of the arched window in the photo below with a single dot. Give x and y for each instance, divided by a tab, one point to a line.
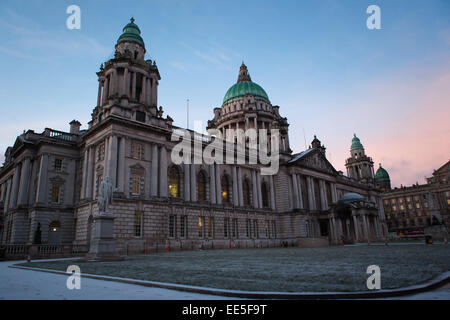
174	182
246	192
265	195
225	190
201	186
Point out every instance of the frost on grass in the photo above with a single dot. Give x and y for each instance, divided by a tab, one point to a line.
336	269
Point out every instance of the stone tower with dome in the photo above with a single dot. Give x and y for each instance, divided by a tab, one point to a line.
359	165
382	179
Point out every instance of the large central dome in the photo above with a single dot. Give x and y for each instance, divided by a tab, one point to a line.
245	86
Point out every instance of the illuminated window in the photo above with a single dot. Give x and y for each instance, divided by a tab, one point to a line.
225	190
137	151
200	227
136	183
56	188
394	208
174	182
418	205
402	207
101	152
408	199
138	224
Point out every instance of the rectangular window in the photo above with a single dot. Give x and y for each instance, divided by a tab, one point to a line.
200	227
183	226
255	229
226	227
274	228
137	151
248	228
210	227
172	226
136	184
140	116
55	193
138	224
58	165
266	228
235	227
101	152
418	205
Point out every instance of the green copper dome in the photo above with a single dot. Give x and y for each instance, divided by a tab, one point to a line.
131	32
240	89
382	175
356	144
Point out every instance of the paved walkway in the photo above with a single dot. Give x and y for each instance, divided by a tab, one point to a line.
20	284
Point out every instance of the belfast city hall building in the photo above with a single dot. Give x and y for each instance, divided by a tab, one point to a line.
50	181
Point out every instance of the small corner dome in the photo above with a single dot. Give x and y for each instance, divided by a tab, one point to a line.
132	33
382	175
356	143
351	197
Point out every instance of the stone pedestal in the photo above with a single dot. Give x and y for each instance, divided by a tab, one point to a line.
103	244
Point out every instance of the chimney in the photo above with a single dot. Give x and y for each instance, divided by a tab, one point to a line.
75	127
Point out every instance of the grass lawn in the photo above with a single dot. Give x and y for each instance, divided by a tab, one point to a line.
279	269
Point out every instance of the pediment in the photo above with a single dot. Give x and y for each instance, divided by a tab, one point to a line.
315	160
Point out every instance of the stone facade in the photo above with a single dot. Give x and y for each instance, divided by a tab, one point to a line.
52	178
410	210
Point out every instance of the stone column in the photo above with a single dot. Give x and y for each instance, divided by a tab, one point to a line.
258	181
15	187
112	85
99	96
144	90
212	183
323	198
255	191
333	193
356	224
148	89
105	90
295	185
163	172
90	173
84	176
133	86
154	186
193	183
121	166
41	193
366	227
125	83
235	187
111	169
218	185
24	182
7	196
312	203
241	193
272	193
187	182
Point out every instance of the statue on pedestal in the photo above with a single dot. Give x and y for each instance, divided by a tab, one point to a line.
105	195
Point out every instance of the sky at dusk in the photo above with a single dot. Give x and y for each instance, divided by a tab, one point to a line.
330	75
